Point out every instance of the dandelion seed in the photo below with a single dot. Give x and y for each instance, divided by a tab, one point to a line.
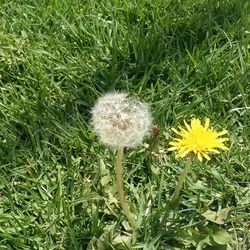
121	121
198	139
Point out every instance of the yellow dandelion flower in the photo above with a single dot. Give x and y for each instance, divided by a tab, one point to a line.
198	140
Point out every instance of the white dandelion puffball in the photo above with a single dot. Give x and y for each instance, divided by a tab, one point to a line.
121	121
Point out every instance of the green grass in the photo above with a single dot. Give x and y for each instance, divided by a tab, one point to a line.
185	58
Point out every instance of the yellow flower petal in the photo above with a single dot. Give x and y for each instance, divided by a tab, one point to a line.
176	131
214	151
172	148
187	126
223	132
199	156
206	156
207	123
184	153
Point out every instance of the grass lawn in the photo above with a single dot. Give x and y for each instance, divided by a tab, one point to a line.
185	58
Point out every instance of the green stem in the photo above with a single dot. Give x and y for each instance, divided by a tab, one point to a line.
181	180
119	183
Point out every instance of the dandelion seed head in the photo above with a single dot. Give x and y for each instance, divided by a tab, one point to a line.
121	121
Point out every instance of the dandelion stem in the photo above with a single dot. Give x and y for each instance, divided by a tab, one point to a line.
181	180
119	183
